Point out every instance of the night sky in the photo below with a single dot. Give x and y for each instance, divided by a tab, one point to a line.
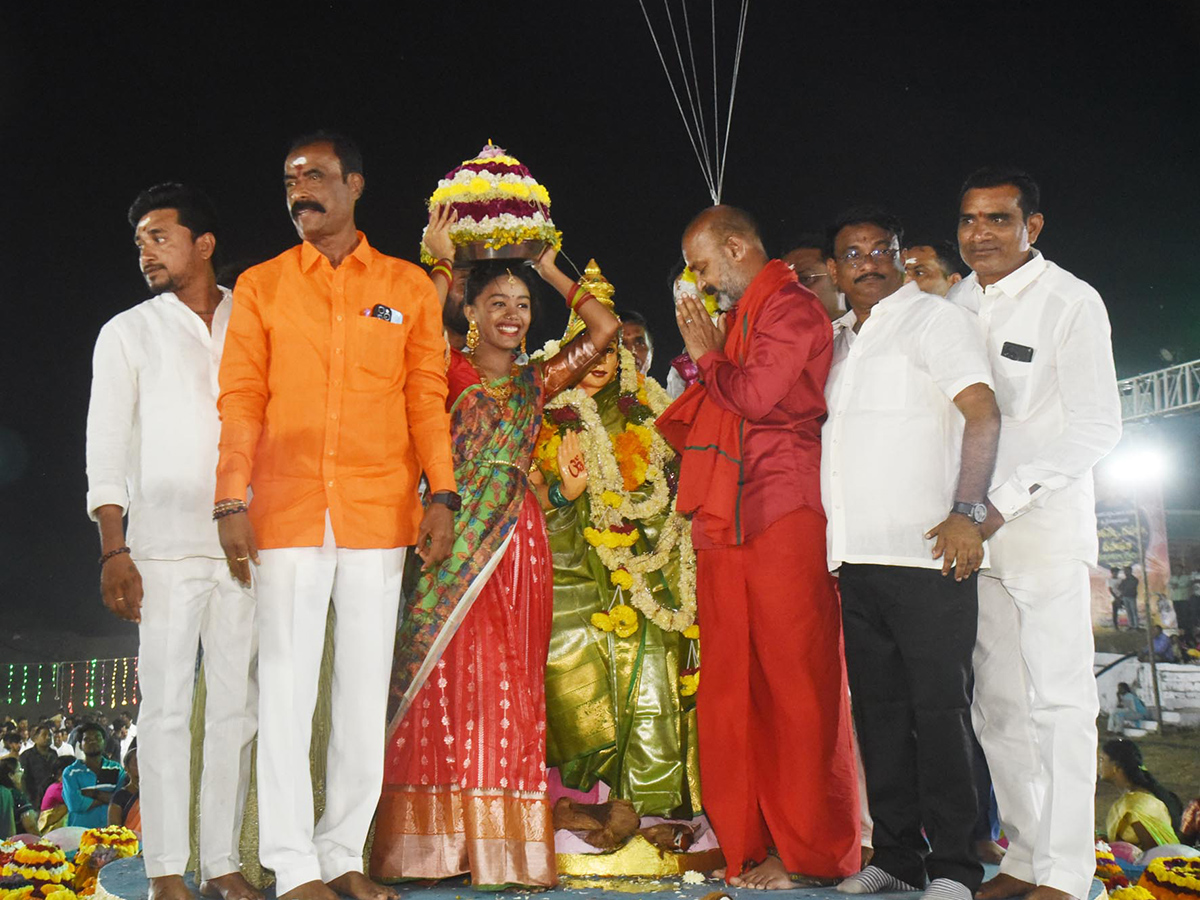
837	104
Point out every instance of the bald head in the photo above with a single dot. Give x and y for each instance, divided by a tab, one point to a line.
723	246
724	222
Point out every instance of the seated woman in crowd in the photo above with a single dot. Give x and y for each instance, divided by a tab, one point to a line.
24	818
1130	709
124	808
54	807
1146	814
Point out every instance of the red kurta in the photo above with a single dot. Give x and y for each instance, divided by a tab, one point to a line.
776	757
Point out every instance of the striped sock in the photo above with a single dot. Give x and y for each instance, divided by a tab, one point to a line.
946	889
873	880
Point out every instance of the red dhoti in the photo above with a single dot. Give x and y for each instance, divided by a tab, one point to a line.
776	758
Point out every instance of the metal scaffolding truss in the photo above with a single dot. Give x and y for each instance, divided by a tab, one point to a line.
1161	393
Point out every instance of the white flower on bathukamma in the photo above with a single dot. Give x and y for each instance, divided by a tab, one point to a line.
634	459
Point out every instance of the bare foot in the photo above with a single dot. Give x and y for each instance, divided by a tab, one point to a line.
867	854
989	851
717	873
360	887
310	890
770	875
169	887
232	886
1044	892
1002	887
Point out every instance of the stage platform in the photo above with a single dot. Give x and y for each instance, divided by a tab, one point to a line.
126	878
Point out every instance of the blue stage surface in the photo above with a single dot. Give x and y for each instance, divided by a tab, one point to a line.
126	878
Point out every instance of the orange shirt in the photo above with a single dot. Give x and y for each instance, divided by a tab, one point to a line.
324	408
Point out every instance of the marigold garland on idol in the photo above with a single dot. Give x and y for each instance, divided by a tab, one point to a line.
617	465
503	212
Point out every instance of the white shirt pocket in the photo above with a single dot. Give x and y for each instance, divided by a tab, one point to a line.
883	382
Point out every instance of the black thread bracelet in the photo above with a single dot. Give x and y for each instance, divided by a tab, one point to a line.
111	553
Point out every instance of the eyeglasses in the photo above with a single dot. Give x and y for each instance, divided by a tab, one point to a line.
854	259
811	279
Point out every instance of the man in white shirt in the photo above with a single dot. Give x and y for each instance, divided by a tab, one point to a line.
1035	700
933	266
152	452
906	457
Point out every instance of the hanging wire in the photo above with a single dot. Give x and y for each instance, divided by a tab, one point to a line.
693	97
737	63
679	105
712	164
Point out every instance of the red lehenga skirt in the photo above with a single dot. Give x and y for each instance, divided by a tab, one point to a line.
464	786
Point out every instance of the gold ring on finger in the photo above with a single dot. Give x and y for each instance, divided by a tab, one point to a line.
689	321
242	558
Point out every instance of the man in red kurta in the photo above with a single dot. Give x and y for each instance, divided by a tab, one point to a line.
776	759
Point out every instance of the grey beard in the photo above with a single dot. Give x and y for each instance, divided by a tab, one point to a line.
725	302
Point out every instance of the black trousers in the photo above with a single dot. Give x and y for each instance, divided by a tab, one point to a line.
909	634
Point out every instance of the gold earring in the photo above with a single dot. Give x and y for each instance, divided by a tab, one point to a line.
523	345
473	335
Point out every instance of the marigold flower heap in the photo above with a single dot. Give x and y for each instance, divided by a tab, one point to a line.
499	203
1172	878
34	872
97	848
1107	869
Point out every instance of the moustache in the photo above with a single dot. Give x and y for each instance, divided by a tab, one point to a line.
301	205
866	275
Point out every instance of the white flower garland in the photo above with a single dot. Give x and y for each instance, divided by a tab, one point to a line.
604	477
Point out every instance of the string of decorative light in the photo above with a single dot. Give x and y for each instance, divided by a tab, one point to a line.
107	683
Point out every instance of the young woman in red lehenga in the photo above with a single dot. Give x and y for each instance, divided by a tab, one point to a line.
465	776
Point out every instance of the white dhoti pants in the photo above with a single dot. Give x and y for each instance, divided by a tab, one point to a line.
189	603
294	586
1035	711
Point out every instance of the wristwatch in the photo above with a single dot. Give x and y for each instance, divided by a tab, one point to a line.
976	512
448	499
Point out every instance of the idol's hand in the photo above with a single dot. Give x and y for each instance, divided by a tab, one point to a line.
571	466
437	235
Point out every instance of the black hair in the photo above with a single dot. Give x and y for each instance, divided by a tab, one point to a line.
92	726
10	736
48	726
8	772
118	722
132	751
344	148
64	763
1127	757
947	254
1029	194
483	273
807	240
633	317
195	211
863	215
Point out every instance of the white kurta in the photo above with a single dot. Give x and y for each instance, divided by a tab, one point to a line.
152	450
1035	701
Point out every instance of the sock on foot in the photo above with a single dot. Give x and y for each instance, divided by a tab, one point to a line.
873	880
946	889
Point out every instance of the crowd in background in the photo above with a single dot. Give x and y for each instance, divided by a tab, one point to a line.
68	770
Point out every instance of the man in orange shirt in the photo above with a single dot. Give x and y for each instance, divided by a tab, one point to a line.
333	401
